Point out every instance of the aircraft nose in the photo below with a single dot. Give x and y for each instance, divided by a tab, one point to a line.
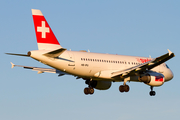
170	75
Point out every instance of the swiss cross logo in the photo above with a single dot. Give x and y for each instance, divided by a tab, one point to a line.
43	29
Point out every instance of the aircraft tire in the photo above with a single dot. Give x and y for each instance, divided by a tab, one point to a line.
91	90
152	93
121	88
86	91
126	88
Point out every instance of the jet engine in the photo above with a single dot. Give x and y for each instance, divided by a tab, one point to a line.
152	78
100	85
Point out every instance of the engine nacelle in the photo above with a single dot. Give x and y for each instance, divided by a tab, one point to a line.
103	85
152	79
100	85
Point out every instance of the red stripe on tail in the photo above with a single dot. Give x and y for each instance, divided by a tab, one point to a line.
44	34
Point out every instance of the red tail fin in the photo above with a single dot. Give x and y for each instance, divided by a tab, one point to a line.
45	36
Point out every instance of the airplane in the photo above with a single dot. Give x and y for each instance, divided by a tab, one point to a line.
97	69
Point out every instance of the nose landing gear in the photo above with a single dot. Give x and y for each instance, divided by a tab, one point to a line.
152	93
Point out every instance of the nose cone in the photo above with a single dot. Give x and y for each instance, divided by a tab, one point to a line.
169	75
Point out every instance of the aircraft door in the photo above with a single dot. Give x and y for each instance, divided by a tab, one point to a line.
71	60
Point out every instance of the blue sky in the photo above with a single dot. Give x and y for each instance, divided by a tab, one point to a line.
138	28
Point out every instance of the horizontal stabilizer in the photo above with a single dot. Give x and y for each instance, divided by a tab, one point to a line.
55	53
17	54
41	70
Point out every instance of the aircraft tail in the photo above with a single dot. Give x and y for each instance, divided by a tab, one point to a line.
46	39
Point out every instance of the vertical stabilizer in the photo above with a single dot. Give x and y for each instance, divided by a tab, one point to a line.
46	39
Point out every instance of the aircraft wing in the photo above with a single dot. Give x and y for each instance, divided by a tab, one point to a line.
145	66
41	70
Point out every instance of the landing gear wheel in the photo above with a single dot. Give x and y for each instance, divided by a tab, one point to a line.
86	91
91	90
121	88
126	88
152	93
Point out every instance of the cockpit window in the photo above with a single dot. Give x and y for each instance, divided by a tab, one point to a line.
167	66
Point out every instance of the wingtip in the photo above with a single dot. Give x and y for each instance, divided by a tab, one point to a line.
169	52
12	65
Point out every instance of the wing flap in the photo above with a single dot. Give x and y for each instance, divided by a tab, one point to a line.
131	70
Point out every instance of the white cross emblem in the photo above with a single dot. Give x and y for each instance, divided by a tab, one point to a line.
43	29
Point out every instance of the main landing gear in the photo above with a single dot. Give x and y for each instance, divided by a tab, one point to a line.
152	93
124	87
89	89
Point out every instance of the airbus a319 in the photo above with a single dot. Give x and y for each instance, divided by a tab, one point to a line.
98	70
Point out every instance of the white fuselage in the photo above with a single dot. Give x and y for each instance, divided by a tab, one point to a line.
97	69
96	66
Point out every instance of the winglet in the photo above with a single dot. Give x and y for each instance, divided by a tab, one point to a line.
169	52
55	53
12	65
